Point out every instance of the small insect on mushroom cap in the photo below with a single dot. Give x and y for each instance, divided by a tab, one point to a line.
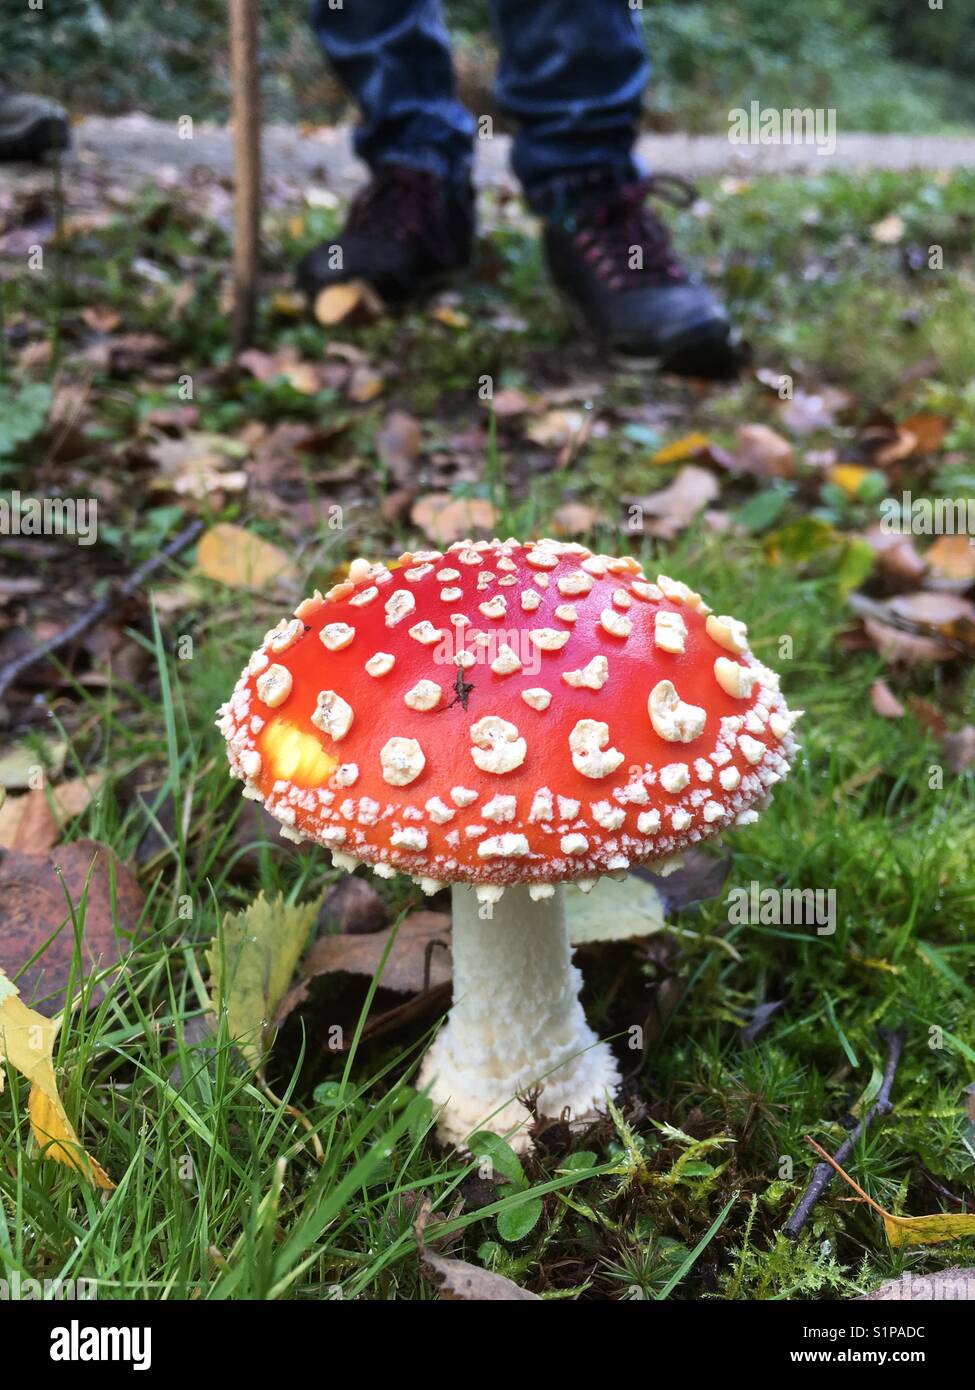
507	713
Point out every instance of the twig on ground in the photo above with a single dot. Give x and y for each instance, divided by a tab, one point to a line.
87	620
823	1172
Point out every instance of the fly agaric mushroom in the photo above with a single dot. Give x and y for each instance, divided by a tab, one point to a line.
508	718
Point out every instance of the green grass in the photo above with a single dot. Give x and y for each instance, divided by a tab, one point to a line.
681	1194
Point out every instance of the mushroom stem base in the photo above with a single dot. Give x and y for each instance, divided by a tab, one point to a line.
516	1023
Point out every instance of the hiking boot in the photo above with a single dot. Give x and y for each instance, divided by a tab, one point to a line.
30	126
406	232
612	259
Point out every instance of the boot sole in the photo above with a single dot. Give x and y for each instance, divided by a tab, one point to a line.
704	351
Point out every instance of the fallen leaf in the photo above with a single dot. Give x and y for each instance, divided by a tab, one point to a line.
302	377
689	446
676	506
699	876
919	627
27	1043
889	230
886	441
287	304
896	554
960	749
26	764
101	318
462	1282
848	477
809	411
409	969
952	558
398	442
251	965
908	1230
450	317
354	907
355	301
25	826
576	519
28	823
885	702
510	402
556	428
615	911
928	430
955	1285
126	353
364	385
762	450
242	560
197	463
36	890
445	519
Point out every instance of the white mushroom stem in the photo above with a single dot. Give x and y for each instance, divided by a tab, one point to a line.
516	1023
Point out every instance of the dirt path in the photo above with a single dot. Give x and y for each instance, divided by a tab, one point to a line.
140	145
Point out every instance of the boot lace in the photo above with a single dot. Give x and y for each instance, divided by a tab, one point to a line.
399	204
611	231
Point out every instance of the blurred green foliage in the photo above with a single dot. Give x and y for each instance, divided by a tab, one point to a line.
885	65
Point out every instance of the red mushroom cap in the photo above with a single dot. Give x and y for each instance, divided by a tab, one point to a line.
507	713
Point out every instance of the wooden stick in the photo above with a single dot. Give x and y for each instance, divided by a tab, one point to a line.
102	608
246	111
823	1172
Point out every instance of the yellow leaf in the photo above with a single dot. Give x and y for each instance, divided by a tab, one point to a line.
928	1230
849	477
236	557
908	1230
288	304
351	301
687	447
27	1043
450	317
252	964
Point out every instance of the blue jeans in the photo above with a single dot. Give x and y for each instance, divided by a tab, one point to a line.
571	73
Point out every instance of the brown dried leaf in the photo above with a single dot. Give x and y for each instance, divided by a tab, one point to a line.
365	384
896	554
676	506
809	411
31	823
920	627
406	967
101	318
953	558
928	430
556	428
462	1282
445	519
398	443
510	402
35	908
960	749
354	906
575	519
885	702
763	451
